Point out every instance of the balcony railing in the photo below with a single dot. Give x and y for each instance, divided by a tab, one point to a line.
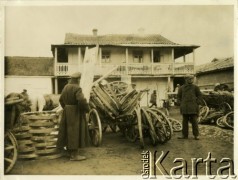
65	69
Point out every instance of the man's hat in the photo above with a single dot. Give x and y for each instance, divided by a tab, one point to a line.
76	75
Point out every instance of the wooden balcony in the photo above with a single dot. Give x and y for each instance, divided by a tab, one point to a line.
65	69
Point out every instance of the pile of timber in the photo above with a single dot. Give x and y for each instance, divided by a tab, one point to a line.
36	135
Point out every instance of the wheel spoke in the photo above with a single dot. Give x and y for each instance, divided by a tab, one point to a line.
8	160
9	148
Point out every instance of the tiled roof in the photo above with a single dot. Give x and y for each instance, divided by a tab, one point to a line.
215	65
116	39
29	66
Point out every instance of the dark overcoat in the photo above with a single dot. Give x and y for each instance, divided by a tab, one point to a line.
73	129
153	98
188	96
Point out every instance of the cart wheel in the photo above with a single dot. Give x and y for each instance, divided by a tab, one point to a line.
220	123
203	112
225	108
165	120
176	125
160	129
119	87
95	128
147	122
202	102
131	133
139	119
228	120
10	151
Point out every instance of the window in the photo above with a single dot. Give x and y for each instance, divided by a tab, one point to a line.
156	57
105	57
62	55
137	56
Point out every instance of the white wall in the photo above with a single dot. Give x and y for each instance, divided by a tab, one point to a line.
35	86
158	83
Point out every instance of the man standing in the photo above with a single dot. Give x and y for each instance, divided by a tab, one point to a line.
73	130
188	95
153	99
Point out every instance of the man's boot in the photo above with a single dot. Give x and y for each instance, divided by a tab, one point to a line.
75	157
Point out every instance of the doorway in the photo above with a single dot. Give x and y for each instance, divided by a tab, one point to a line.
178	80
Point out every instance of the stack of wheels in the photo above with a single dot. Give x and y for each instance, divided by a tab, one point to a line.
226	121
160	128
43	128
26	148
148	123
216	116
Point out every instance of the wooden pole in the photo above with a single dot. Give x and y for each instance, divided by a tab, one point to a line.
105	75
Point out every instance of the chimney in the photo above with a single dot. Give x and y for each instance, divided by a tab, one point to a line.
95	32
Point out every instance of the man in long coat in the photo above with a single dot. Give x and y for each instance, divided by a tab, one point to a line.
188	96
73	130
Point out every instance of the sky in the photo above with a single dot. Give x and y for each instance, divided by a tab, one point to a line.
30	30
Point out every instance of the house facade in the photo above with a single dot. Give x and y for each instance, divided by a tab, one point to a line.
149	60
35	74
217	71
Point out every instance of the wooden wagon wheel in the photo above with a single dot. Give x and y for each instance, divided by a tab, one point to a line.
176	125
161	132
225	108
138	114
165	120
131	132
10	151
228	120
147	122
119	87
203	112
95	128
220	123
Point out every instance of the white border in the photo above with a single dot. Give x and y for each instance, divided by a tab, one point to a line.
105	3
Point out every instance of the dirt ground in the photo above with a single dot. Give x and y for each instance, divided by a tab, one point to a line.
117	156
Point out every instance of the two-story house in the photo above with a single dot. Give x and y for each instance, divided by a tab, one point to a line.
150	60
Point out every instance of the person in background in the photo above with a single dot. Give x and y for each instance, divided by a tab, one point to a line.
153	99
73	128
48	103
177	88
188	96
27	102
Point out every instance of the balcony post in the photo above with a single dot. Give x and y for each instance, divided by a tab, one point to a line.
169	81
173	60
79	58
56	80
126	61
55	61
56	85
100	57
152	60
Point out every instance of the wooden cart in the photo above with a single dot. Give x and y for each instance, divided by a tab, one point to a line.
117	105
